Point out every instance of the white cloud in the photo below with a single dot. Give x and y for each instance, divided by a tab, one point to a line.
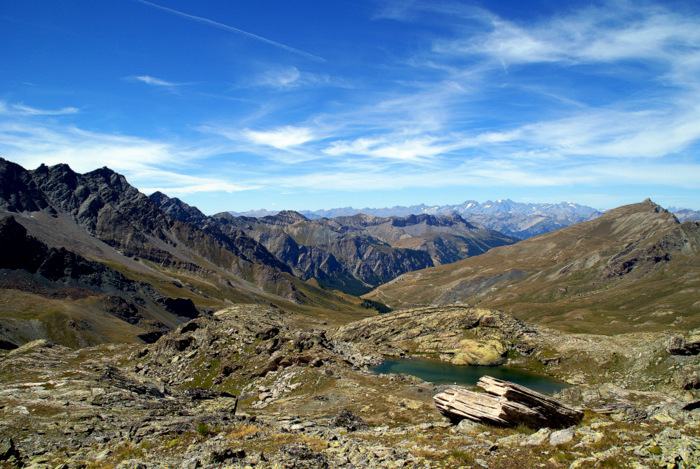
282	137
148	164
403	148
179	184
284	78
32	144
490	173
149	80
613	134
23	110
616	31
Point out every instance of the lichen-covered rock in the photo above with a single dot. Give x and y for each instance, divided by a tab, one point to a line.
561	437
537	438
480	353
671	448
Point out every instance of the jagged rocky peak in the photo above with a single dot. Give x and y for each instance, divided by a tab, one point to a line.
159	198
177	209
18	191
431	220
653	206
83	194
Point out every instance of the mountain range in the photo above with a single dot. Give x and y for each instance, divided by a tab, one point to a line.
633	268
87	258
351	254
104	262
515	219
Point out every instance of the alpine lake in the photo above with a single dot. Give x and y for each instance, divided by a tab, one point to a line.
439	372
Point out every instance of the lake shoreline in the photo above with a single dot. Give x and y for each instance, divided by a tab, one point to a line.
439	372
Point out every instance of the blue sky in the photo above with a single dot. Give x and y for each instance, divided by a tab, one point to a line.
236	105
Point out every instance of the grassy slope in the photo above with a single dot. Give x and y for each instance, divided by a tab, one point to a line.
563	278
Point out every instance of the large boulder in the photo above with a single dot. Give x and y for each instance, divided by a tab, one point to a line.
505	404
679	345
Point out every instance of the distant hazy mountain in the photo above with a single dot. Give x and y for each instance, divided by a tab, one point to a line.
519	220
685	214
563	209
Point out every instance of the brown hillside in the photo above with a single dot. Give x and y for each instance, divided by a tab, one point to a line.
634	268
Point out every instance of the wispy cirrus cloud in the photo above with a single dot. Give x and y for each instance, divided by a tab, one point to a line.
610	42
183	185
23	110
415	149
604	33
148	164
149	80
291	78
489	172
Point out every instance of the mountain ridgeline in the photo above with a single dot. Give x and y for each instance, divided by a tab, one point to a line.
87	258
105	263
515	219
633	268
354	253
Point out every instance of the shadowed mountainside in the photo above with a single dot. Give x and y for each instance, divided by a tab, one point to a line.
127	307
98	217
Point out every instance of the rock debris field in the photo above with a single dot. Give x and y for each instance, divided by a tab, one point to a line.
253	386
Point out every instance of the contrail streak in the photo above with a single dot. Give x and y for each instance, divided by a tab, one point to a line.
235	30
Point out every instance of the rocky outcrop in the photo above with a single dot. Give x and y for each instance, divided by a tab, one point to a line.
18	191
177	209
197	398
679	345
459	334
349	421
505	404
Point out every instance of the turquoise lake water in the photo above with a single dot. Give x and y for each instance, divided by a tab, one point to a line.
439	372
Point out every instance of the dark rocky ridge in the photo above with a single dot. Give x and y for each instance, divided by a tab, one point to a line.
98	219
